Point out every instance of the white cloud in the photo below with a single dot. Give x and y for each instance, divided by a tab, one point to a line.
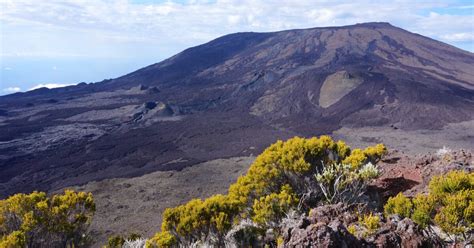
49	86
234	19
12	89
459	37
102	28
7	68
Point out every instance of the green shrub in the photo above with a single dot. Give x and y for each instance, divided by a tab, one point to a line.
117	241
400	205
452	182
451	217
423	209
371	223
449	204
248	236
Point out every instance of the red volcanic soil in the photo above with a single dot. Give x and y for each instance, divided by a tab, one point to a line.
411	175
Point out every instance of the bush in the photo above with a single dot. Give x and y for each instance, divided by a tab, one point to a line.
371	223
162	239
268	210
245	234
449	204
35	220
444	153
453	182
117	241
423	209
135	243
280	179
352	229
14	239
207	220
452	217
400	205
345	183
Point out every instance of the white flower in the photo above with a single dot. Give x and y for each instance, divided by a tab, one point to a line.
443	151
369	171
137	243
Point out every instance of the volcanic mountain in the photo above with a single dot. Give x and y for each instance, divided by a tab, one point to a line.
231	97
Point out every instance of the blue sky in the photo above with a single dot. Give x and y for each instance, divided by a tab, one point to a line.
59	42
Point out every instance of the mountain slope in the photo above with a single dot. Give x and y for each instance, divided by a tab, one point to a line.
280	75
232	97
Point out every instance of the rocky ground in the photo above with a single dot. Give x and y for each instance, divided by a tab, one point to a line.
327	226
411	174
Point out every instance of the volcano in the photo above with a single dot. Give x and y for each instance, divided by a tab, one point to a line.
231	97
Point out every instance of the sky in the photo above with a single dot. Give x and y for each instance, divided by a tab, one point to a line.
53	43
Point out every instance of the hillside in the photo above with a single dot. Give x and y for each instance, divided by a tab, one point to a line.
235	95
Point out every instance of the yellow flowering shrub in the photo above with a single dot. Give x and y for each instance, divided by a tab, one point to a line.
162	239
371	222
268	209
274	183
197	219
34	219
360	157
13	240
352	229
